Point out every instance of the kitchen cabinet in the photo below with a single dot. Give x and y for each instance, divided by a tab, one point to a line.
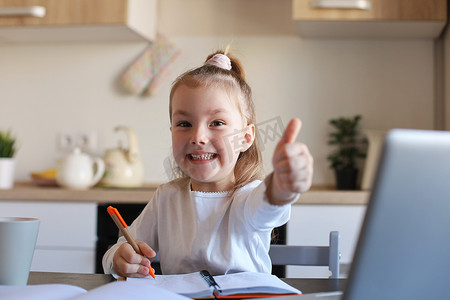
77	20
370	18
67	233
311	225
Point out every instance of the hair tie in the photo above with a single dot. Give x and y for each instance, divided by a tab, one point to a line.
219	60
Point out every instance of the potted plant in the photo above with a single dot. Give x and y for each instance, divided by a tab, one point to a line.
7	164
349	148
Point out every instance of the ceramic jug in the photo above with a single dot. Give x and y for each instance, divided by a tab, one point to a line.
124	168
79	171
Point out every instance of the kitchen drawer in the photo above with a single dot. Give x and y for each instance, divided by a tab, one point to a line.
63	224
64	260
311	225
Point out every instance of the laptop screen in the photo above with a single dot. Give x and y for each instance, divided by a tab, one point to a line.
404	247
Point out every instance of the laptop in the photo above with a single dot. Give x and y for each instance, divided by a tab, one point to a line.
403	251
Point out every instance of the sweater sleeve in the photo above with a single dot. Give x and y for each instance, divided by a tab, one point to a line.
144	228
107	260
262	215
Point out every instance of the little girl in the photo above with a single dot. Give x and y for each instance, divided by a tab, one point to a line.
219	215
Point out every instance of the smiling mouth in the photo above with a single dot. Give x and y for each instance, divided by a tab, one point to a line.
202	157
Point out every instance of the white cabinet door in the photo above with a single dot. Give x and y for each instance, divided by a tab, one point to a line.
67	233
64	260
311	225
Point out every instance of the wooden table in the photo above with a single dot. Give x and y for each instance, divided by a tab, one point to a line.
85	281
91	281
28	191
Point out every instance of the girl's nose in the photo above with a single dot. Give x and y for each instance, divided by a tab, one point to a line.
199	137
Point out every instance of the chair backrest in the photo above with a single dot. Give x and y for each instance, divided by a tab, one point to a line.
309	255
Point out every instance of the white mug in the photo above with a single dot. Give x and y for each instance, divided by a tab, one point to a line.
17	242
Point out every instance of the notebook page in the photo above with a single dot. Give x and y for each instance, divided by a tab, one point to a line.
40	292
121	290
252	282
190	285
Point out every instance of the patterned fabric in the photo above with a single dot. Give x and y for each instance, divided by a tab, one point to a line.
147	72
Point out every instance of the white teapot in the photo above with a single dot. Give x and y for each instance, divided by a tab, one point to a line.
76	170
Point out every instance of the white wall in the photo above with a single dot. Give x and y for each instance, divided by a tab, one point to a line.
47	88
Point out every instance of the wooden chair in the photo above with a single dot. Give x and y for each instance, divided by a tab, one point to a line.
309	255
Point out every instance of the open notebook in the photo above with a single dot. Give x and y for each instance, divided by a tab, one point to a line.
236	285
119	290
168	287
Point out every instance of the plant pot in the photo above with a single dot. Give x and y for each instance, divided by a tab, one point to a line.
7	167
346	178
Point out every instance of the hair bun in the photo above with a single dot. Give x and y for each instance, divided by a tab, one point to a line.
220	60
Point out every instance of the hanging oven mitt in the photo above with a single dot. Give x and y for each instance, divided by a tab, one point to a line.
146	73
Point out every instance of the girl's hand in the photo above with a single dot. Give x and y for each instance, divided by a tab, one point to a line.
127	263
292	167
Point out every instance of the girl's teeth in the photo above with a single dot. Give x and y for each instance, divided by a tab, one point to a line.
202	157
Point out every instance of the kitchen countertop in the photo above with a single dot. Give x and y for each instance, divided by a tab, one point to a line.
28	191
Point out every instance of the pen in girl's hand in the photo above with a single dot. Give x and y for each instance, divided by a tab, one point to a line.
117	218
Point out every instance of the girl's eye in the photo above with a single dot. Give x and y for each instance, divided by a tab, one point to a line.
183	124
217	123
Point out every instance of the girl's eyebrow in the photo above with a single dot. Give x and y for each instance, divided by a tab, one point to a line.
210	112
180	112
217	111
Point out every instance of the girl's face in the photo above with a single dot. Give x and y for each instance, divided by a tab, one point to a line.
208	133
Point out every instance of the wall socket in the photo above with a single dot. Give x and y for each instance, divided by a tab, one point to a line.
85	140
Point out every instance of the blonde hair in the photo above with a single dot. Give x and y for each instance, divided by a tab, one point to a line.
249	165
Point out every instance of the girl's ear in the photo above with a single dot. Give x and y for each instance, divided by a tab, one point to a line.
249	137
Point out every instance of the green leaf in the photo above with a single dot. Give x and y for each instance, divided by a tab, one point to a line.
348	146
7	144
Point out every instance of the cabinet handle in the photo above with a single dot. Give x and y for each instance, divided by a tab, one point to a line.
25	11
342	4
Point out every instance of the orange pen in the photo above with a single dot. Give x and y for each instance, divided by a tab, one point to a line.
117	218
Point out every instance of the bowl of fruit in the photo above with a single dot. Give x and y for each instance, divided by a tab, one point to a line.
45	178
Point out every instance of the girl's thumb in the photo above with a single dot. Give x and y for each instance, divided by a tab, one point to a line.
291	132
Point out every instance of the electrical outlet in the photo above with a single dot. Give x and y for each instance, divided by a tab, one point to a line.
85	140
67	141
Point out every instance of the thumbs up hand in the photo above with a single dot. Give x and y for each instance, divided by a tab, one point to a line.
292	167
